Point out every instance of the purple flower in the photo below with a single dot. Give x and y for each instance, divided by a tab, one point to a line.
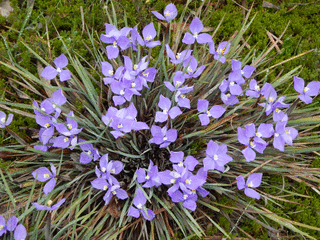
278	115
3	226
49	207
192	66
139	201
215	112
89	153
3	121
165	105
270	95
216	157
248	137
253	181
246	71
149	33
189	163
182	179
169	13
229	99
232	86
20	233
53	104
123	120
42	174
222	50
178	80
116	38
108	168
50	72
147	75
163	136
255	90
150	176
179	57
181	98
112	186
282	135
188	199
196	27
65	141
71	128
107	70
311	90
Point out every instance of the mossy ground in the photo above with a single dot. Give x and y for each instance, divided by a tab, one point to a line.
36	25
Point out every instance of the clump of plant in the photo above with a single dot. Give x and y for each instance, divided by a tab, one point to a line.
122	160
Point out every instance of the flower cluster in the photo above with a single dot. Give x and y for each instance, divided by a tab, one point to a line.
19	231
127	81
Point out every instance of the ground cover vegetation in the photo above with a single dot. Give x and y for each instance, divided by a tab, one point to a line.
289	179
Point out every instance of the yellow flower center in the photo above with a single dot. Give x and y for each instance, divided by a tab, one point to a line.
165	111
250	184
178	55
228	95
46	175
114	192
167	13
271	99
193	191
215	157
49	202
145	74
276	134
103	169
105	187
120	126
147	177
139	206
89	152
165	138
1	227
258	134
66	139
121	92
278	110
182	95
188	181
185	196
232	84
3	120
190	70
180	164
47	125
112	170
173	180
306	89
257	88
114	43
252	144
148	38
222	51
195	35
59	70
287	132
69	126
111	72
135	67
